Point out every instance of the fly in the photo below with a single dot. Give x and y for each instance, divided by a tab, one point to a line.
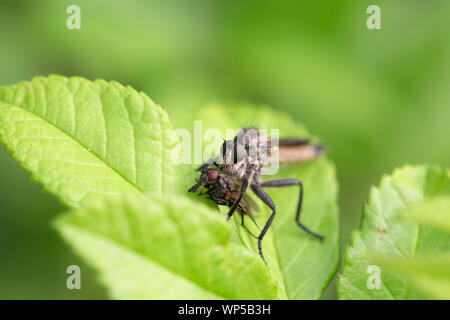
242	160
223	190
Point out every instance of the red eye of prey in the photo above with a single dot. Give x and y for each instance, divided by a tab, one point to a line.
212	174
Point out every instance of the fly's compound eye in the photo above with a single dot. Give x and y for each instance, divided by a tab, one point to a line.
212	175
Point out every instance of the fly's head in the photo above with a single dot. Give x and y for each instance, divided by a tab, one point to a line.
207	178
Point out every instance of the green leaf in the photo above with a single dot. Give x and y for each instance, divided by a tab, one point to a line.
301	264
84	139
88	140
165	248
384	233
429	275
434	212
93	141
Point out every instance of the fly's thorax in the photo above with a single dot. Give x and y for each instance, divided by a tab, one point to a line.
226	183
250	149
217	192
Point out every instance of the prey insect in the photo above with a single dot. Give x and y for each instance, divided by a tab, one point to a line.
242	160
223	190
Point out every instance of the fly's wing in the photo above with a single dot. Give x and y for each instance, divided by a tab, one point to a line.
242	207
296	150
292	142
248	204
251	204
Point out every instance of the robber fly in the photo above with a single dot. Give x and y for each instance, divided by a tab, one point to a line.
223	190
243	158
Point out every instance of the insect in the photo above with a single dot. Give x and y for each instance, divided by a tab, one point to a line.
243	158
223	190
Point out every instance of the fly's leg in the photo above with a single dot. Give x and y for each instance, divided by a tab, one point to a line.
267	200
242	223
253	219
292	182
244	186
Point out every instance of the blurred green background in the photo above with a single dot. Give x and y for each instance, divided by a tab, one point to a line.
377	98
